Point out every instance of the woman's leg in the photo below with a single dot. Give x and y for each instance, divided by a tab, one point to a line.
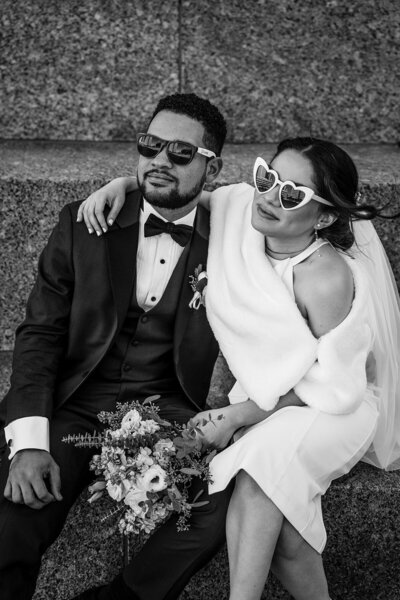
298	566
252	528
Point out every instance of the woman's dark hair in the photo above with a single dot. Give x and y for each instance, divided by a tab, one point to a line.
336	180
200	110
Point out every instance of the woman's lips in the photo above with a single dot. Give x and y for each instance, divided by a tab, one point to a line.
265	214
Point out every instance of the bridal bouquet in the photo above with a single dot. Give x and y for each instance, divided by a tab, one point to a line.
145	465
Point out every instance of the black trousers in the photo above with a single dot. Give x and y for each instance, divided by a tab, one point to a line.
167	561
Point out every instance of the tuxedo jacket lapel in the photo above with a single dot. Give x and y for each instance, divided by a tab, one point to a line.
122	242
197	256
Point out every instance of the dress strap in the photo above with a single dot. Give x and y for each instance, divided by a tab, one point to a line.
295	260
284	268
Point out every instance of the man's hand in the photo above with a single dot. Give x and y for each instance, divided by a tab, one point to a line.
218	432
26	482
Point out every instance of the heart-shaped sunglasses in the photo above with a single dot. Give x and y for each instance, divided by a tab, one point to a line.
291	196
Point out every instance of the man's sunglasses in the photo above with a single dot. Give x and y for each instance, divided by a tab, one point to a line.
291	196
180	153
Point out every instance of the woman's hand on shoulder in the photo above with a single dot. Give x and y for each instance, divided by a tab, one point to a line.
325	291
91	211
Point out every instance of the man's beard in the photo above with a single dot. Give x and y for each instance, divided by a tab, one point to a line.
173	199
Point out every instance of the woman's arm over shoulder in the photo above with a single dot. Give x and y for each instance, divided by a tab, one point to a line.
234	192
112	194
324	290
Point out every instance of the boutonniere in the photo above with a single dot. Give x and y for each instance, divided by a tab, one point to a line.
198	283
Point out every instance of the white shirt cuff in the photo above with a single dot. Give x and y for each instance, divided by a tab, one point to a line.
28	432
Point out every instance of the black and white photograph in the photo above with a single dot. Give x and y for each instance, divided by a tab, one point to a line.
199	300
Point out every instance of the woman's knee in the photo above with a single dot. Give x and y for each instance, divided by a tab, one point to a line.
246	484
290	543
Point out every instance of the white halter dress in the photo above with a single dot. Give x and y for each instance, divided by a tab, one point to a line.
295	453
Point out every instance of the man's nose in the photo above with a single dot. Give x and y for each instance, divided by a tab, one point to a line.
162	158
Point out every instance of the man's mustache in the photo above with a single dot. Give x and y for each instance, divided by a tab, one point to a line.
159	172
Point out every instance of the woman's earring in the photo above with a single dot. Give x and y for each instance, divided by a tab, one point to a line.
317	238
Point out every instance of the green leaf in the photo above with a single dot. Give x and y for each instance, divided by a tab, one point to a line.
210	456
151	399
190	471
197	496
179	442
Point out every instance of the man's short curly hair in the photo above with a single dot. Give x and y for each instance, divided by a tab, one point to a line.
200	110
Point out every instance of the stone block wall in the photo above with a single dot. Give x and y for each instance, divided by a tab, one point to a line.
93	70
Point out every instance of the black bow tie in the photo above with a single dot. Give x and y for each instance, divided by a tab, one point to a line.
179	233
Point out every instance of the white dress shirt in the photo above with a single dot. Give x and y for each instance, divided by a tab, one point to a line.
157	257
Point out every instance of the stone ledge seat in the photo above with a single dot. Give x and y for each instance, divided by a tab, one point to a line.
362	517
362	509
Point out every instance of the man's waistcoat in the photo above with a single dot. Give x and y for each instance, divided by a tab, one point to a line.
142	353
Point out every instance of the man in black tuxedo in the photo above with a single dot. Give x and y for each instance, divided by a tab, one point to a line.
109	320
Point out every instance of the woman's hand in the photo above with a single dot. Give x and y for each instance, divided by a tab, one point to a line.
113	195
219	424
217	428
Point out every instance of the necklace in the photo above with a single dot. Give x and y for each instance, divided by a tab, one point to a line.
290	253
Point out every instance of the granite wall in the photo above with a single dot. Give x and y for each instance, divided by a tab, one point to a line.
93	70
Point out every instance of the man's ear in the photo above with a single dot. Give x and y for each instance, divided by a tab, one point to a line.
214	167
325	220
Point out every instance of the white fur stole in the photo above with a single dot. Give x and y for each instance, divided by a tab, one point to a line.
261	332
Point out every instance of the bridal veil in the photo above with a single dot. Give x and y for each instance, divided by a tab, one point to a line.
384	311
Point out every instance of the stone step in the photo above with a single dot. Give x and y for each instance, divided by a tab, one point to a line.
362	518
38	178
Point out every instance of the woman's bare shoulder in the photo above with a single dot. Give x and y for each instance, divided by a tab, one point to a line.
324	289
327	268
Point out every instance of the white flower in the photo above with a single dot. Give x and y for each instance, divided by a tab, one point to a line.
164	446
147	526
154	480
117	434
148	426
111	468
143	458
160	511
118	491
135	495
163	450
131	420
97	486
96	490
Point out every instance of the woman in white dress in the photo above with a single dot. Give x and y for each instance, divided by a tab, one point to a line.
293	304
